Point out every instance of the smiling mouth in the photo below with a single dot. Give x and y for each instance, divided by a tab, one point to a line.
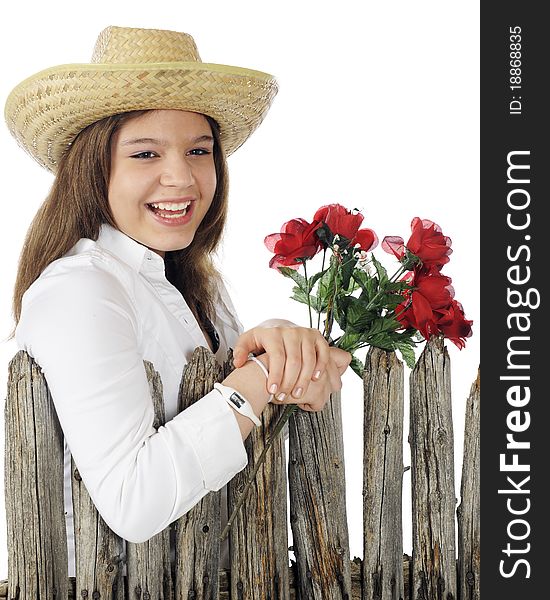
169	210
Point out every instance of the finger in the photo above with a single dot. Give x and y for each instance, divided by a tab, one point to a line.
322	350
309	360
292	339
342	358
315	406
275	350
334	379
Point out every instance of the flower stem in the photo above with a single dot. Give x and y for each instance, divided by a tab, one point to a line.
318	307
285	416
329	321
398	273
308	295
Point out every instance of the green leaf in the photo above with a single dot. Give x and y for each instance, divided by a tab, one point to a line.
300	292
393	301
407	353
301	296
397	286
381	271
346	270
350	341
315	278
365	281
357	366
381	340
325	289
382	325
369	292
340	311
294	275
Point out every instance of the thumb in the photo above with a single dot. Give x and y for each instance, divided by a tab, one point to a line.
240	356
342	358
244	346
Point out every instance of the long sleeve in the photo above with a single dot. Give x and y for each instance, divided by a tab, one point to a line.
83	329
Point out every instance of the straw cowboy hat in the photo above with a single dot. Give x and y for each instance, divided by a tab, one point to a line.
134	69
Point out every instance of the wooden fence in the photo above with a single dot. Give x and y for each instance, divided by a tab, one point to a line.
259	557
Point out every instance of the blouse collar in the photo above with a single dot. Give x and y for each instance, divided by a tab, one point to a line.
134	254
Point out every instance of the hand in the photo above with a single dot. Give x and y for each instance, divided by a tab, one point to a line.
297	356
319	392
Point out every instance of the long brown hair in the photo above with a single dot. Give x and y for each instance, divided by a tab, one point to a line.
78	205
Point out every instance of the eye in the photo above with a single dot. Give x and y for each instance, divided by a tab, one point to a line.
199	152
144	155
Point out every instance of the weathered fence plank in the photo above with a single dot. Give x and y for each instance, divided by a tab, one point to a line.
432	474
468	512
258	536
149	567
198	531
37	564
99	551
100	556
318	503
383	476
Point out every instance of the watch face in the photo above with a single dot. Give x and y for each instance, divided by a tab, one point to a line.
237	399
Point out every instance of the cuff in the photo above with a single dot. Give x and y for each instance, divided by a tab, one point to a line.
212	430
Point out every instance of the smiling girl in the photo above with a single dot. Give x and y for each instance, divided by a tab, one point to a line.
117	269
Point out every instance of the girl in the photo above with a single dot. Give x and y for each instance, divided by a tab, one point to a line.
117	269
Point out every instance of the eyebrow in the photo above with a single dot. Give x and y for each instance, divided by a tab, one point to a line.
161	142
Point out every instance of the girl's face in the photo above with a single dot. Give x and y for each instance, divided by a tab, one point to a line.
163	177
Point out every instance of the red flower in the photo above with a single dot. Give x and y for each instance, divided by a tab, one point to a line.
430	294
453	324
427	242
431	308
296	241
346	223
366	238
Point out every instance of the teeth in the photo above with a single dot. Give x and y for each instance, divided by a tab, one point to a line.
171	205
172	216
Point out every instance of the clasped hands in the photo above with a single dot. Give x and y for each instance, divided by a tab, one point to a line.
303	368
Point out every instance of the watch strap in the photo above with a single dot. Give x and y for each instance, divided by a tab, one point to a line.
238	402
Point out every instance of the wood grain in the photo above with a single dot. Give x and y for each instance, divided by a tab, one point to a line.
197	533
259	536
37	546
149	568
318	503
383	476
468	512
432	474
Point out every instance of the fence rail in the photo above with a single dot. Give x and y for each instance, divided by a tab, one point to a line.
107	567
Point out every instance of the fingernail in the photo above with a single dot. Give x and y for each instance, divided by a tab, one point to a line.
281	397
297	392
317	374
273	388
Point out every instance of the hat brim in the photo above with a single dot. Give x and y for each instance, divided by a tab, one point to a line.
47	111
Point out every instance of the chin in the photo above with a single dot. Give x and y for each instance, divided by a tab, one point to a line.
171	247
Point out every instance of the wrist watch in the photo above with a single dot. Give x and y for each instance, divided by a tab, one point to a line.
238	402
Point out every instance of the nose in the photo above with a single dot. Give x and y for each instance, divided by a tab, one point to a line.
177	172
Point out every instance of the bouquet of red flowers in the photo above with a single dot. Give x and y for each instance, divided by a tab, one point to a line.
354	290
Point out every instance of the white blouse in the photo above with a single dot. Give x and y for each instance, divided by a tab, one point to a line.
89	321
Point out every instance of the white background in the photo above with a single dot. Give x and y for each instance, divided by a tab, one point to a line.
378	109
